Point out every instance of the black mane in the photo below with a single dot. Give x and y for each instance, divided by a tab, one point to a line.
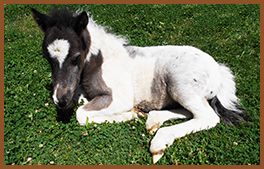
62	17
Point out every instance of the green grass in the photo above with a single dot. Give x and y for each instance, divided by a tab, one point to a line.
230	33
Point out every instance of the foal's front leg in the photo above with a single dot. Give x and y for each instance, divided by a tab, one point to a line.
92	108
102	109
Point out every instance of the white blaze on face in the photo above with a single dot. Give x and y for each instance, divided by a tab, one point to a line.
59	49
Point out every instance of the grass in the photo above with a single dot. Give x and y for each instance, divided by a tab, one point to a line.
32	135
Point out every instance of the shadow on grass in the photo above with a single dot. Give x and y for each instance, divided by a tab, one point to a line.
64	116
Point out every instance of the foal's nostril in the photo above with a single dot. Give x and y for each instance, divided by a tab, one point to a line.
63	101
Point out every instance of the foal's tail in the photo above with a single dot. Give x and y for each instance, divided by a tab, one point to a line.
225	103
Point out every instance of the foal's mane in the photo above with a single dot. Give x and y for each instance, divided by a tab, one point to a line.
102	37
62	17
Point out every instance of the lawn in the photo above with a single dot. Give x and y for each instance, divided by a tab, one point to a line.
32	135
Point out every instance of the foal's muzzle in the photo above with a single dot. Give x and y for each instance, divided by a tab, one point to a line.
62	97
63	101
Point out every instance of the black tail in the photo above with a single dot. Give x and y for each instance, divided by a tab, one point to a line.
230	117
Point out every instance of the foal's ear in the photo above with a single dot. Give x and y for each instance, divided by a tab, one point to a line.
81	22
44	21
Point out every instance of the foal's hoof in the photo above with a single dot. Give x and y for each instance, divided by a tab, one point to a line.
138	112
152	123
157	156
152	129
162	140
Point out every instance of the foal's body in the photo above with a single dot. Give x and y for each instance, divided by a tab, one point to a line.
158	77
117	77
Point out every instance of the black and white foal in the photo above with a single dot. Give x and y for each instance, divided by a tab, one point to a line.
116	77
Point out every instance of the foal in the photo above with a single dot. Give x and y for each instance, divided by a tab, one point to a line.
116	77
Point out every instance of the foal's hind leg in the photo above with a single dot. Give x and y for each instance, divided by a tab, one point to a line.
204	117
157	117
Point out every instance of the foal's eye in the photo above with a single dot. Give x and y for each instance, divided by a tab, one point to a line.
75	60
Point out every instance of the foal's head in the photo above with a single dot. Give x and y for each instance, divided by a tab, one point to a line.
65	45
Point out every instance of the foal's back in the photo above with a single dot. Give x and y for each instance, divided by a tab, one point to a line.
158	69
